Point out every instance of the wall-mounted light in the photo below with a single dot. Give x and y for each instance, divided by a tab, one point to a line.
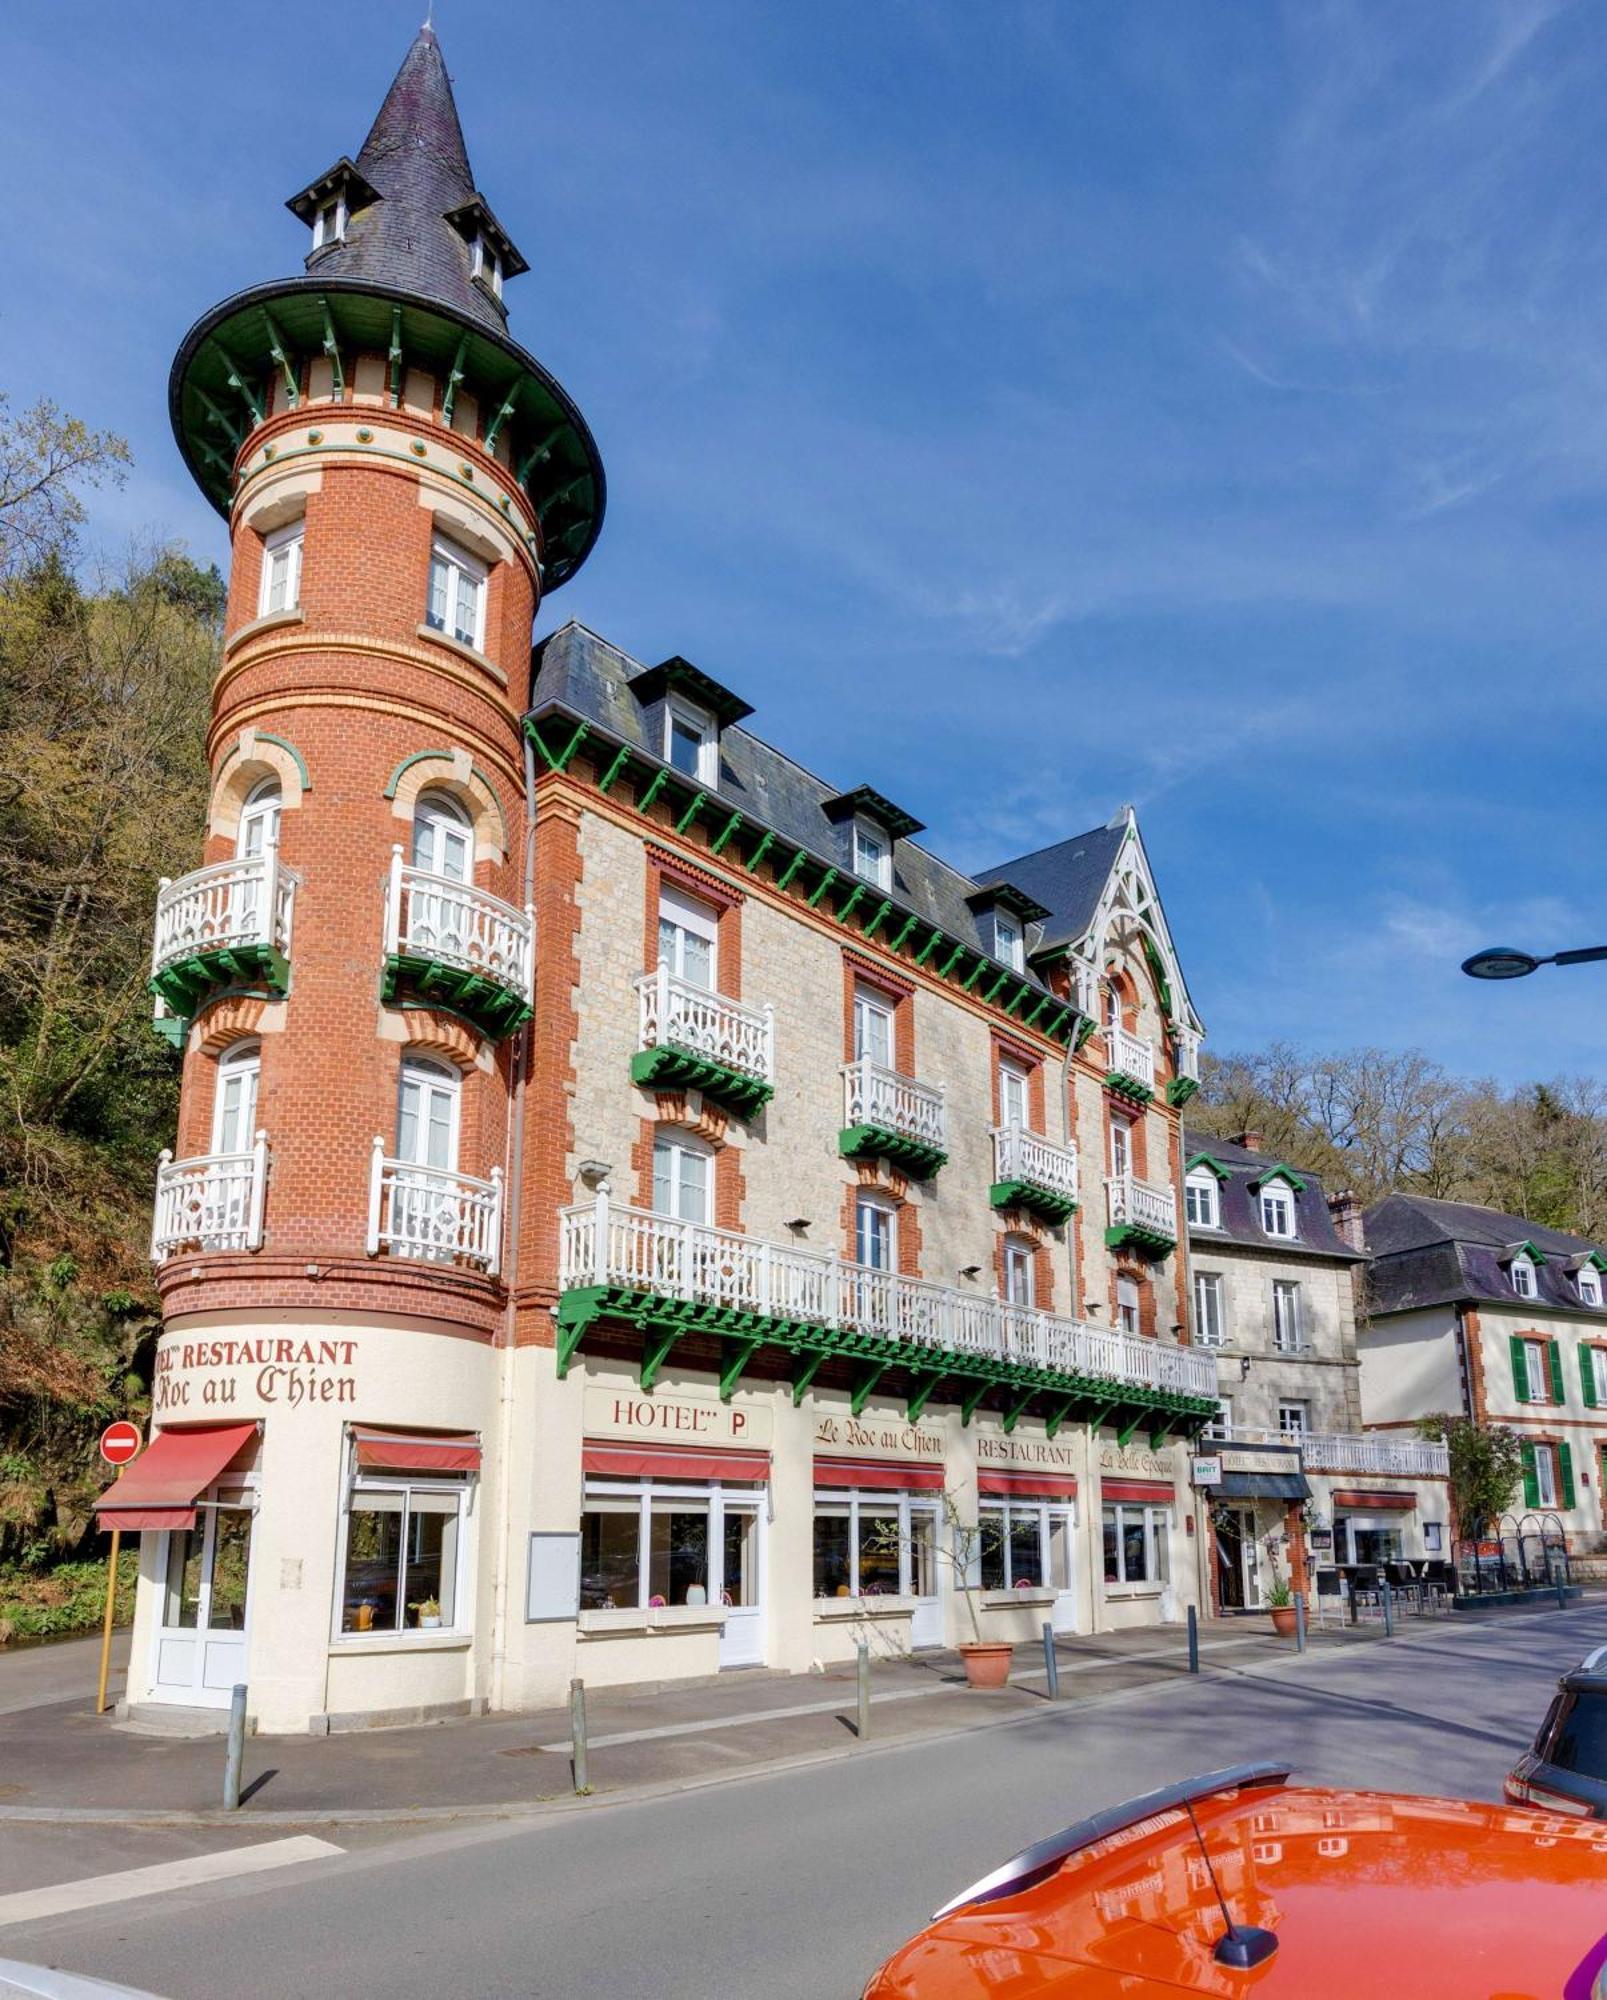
1244	1367
970	1270
798	1224
594	1172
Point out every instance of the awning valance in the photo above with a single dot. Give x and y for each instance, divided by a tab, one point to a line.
1369	1502
417	1451
160	1488
881	1475
1031	1486
1261	1486
646	1461
1155	1490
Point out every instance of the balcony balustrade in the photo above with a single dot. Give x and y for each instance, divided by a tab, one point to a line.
1032	1172
1186	1078
1130	1064
458	944
893	1117
211	1202
223	924
607	1245
1371	1452
692	1037
433	1214
1140	1215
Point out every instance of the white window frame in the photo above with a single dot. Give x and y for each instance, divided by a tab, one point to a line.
1277	1202
322	237
1547	1480
699	723
1537	1371
1522	1275
1288	1316
1221	1424
485	263
876	1501
1433	1538
288	541
452	1617
1020	1272
1294	1418
1202	1208
870	1000
677	1147
1009	942
432	1074
1589	1283
241	1060
437	817
868	1203
746	1496
1129	1299
1015	1083
1157	1546
1121	1145
460	568
1210	1319
998	1512
263	808
1598	1371
683	916
872	853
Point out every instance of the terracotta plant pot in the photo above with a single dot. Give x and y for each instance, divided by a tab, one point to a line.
987	1664
1283	1620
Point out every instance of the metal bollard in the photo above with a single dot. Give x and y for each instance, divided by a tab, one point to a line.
1387	1599
237	1749
1051	1665
577	1736
863	1724
1300	1621
1562	1592
1194	1640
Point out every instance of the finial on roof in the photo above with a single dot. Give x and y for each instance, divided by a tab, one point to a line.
429	20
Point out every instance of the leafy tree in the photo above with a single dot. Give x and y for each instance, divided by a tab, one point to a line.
1486	1462
46	457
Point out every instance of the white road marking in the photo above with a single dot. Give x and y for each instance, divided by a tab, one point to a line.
30	1905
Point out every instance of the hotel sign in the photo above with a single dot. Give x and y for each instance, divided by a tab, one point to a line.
680	1419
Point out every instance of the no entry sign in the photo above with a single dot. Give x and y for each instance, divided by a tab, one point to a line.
119	1443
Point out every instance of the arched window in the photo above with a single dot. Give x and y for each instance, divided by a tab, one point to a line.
443	838
1523	1276
427	1114
259	819
234	1108
682	1181
1112	996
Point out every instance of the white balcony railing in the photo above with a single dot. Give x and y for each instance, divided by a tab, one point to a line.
1136	1204
455	924
211	1202
1339	1451
684	1016
433	1214
606	1243
1130	1055
232	905
874	1095
1187	1044
1020	1155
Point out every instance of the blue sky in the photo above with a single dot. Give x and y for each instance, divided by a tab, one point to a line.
1028	408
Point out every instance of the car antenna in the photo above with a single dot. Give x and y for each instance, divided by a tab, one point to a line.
1240	1946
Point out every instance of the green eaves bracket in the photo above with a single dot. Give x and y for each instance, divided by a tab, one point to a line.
1127	1430
736	1367
921	1395
970	1400
1157	1435
1014	1414
1100	1416
1052	1427
1128	1086
1027	1194
656	1345
805	1375
862	1389
1180	1090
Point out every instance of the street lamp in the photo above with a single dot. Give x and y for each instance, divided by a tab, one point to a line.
1503	961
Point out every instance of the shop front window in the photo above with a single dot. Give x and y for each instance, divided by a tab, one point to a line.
401	1563
1136	1544
1025	1546
653	1546
873	1545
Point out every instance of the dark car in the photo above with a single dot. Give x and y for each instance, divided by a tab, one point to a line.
1566	1771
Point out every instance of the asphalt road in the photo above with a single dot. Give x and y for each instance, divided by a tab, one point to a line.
794	1886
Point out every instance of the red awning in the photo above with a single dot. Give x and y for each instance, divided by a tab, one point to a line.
418	1451
159	1489
878	1474
1029	1485
647	1461
1136	1489
1375	1503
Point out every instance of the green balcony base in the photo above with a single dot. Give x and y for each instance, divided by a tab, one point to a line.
492	1008
875	1142
1134	1236
1039	1200
1130	1087
186	984
965	1378
679	1069
1180	1090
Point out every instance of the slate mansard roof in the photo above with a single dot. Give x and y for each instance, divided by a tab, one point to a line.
1242	1168
1428	1253
580	675
1068	879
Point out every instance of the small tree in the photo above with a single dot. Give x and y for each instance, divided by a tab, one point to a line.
1486	1469
960	1547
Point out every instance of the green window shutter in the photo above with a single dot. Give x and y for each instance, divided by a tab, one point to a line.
1520	1374
1587	1375
1554	1370
1531	1485
1565	1475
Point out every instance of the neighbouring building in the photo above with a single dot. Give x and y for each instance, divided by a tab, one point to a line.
1273	1285
630	1198
1487	1315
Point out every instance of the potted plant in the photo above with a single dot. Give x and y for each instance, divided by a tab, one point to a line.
429	1614
1281	1603
987	1661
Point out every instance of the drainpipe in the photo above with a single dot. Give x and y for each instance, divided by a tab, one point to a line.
514	1183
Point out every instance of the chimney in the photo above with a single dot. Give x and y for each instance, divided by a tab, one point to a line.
1250	1141
1346	1212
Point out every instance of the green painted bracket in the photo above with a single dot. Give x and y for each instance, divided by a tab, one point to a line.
921	1396
1125	1433
393	356
954	958
1032	1018
1156	1436
1099	1417
454	375
1052	1428
731	826
558	763
496	423
537	452
929	947
974	974
846	910
805	1375
866	1383
621	759
660	780
734	1369
238	383
655	1352
880	918
332	349
760	851
280	355
692	811
971	1399
821	887
1014	1414
234	432
909	925
793	866
1021	994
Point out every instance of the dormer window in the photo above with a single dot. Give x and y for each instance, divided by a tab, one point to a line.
486	265
872	855
329	222
1278	1210
1523	1281
691	741
1200	1201
1009	946
1589	1285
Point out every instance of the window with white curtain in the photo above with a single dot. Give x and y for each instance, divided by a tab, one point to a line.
457	594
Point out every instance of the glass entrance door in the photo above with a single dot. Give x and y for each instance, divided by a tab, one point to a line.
741	1579
926	1627
1058	1523
201	1639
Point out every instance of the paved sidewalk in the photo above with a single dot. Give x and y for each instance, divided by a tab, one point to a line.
59	1759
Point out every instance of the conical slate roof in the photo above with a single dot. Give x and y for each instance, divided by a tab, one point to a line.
416	235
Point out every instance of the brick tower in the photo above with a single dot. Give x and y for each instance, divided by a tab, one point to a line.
348	973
